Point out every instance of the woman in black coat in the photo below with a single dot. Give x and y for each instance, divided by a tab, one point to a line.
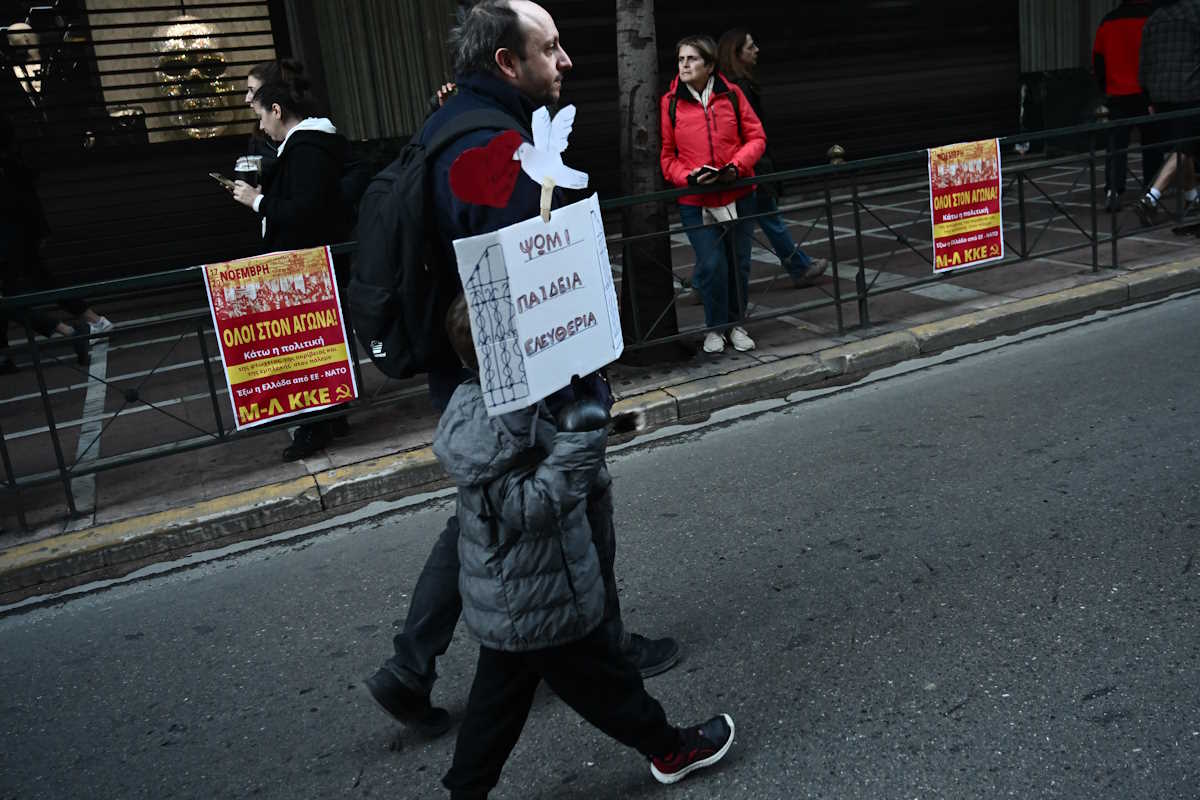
300	200
737	54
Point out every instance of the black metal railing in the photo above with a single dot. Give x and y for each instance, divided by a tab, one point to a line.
883	247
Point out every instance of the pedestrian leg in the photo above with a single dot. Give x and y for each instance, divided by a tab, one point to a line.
433	614
501	697
592	677
793	259
711	275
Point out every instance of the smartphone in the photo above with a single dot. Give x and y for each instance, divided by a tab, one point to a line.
221	179
707	170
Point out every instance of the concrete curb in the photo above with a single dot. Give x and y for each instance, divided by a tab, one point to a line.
120	547
97	551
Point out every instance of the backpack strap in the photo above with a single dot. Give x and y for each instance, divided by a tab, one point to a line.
467	122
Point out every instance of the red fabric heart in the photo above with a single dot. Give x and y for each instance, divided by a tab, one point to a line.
486	175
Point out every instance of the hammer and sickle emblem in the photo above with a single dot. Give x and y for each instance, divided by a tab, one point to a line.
342	392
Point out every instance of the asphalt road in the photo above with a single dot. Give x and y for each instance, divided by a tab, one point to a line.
973	581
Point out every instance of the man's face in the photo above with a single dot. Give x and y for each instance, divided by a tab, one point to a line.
538	71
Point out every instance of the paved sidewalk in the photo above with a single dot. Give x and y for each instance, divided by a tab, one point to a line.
143	524
146	386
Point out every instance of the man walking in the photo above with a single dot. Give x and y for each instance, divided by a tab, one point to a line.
1115	63
506	60
1170	73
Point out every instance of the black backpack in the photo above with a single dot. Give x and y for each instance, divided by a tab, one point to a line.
400	289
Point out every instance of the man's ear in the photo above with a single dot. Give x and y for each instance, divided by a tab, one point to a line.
506	60
276	111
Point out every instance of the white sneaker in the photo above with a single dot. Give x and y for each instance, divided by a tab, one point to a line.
714	342
741	340
101	325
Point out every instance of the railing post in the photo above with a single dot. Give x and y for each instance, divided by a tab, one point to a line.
63	472
1114	219
10	480
212	385
860	277
1021	213
833	251
1092	196
628	279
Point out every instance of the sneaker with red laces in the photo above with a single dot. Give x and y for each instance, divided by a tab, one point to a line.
699	747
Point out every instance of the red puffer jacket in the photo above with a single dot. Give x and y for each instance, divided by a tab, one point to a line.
709	136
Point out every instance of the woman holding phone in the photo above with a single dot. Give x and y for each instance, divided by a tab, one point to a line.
711	135
300	200
737	54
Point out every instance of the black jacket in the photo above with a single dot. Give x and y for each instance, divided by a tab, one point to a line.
766	164
1170	57
302	194
456	219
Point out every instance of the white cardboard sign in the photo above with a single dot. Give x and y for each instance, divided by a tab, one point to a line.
543	305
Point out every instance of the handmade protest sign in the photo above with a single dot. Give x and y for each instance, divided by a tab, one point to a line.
542	302
965	202
283	341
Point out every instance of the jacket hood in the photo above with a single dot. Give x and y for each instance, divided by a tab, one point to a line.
317	131
475	449
481	88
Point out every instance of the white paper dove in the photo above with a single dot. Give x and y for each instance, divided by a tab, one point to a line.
542	160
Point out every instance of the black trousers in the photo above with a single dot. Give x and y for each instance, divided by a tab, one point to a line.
590	675
1124	107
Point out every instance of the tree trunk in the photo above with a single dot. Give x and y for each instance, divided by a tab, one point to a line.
647	284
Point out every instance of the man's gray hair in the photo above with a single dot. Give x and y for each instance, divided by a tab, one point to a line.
481	31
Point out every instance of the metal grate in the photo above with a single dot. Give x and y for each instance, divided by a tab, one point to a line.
84	74
122	107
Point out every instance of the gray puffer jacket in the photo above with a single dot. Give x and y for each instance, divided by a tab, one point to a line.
529	574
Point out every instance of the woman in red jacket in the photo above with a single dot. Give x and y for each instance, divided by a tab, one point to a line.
710	134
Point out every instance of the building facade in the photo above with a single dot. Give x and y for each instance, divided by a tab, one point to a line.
140	99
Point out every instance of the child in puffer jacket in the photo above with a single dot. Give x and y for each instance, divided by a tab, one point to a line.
531	587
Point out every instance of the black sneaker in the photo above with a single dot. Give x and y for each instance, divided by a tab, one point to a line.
1146	209
699	747
340	426
811	274
652	656
308	439
1112	201
406	705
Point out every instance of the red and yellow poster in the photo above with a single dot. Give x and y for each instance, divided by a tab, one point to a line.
279	323
965	202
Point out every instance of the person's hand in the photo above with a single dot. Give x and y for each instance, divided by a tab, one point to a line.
696	176
245	194
444	91
728	174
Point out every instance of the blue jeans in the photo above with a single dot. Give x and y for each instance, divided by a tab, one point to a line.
794	260
724	301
